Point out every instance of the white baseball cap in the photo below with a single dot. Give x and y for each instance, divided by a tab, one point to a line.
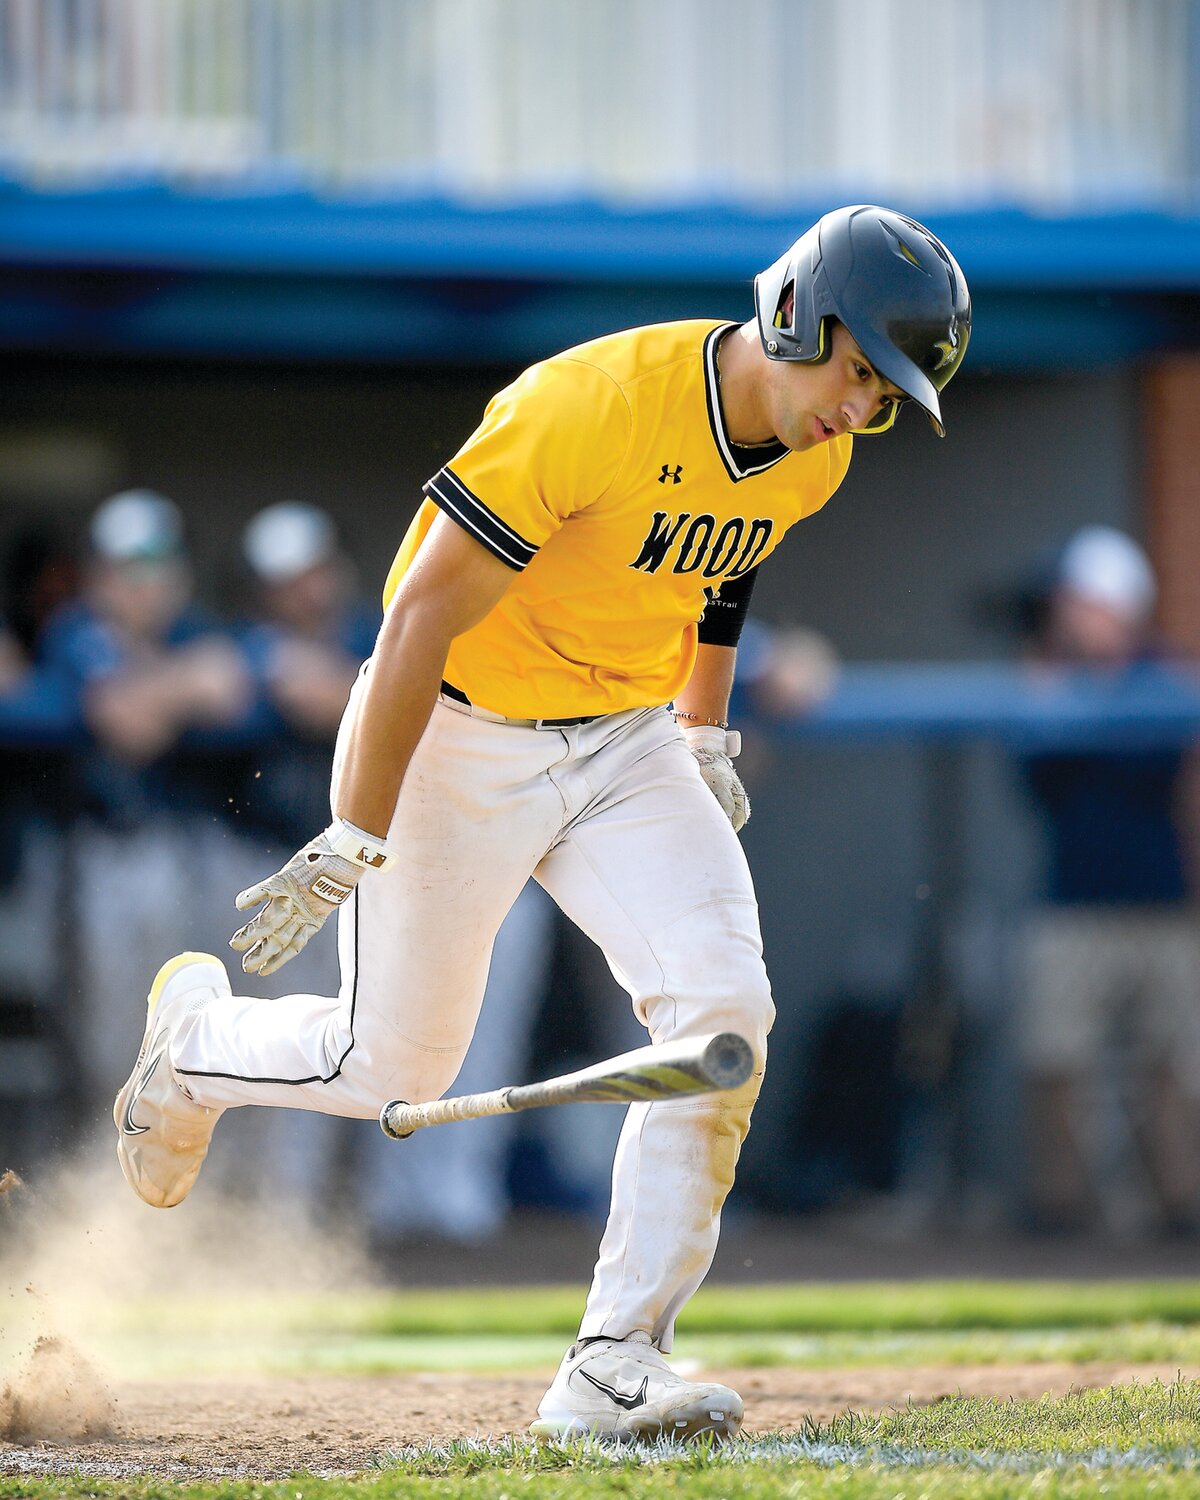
137	526
1103	564
286	539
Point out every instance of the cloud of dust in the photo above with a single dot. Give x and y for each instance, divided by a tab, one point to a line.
82	1259
58	1397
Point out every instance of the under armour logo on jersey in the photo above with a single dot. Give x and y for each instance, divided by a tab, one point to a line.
675	475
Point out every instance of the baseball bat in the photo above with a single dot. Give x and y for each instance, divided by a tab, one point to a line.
696	1065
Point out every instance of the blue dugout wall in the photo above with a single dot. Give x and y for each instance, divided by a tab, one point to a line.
297	276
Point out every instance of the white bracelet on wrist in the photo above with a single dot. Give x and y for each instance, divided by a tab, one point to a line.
358	847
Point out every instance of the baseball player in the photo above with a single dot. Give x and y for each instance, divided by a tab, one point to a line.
548	695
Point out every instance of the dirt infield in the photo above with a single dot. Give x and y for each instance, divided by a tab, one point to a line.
270	1427
74	1246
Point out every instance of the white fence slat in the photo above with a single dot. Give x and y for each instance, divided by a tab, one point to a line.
1050	103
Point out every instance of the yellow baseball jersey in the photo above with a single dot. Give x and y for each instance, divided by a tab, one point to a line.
605	478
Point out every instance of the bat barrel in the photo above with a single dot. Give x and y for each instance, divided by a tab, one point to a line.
727	1061
671	1070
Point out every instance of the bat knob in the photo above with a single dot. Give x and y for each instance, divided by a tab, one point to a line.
728	1060
385	1120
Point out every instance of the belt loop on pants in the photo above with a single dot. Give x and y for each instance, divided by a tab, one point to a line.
456	695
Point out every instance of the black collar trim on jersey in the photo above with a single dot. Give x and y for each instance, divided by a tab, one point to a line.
740	462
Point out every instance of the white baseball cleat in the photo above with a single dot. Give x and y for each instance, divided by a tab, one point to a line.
162	1134
624	1389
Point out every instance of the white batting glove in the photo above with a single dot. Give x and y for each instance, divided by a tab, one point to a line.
301	896
714	750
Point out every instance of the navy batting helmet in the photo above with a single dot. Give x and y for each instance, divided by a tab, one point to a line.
894	285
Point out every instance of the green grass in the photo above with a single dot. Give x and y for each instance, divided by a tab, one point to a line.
1151	1419
1139	1440
145	1355
954	1323
842	1307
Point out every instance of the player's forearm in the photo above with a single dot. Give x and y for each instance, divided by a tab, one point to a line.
707	693
401	687
451	586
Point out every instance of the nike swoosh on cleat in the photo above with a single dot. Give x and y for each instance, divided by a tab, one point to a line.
628	1402
127	1124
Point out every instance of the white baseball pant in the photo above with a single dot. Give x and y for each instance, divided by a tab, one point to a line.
451	1180
614	821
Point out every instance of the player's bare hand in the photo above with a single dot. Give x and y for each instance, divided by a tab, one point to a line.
714	750
300	897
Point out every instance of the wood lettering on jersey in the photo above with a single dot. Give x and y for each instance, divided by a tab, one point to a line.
702	547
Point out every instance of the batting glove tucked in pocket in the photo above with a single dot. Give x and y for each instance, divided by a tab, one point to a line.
714	750
301	896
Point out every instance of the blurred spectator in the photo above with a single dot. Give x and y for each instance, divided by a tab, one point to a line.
1110	1021
150	856
147	664
309	639
783	671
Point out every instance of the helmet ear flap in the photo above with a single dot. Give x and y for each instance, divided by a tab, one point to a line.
785	318
794	303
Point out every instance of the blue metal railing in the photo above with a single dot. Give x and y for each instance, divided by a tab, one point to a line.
1153	705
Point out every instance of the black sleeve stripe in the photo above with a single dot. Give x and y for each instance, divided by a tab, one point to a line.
450	494
470	521
466	494
723	617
